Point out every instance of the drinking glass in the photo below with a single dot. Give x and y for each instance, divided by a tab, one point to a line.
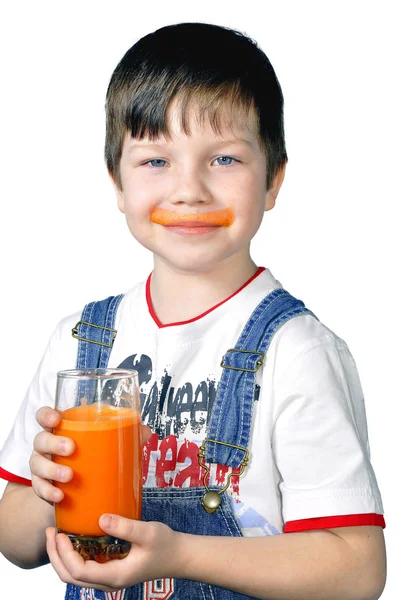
100	412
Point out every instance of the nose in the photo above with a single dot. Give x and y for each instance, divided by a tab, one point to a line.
190	187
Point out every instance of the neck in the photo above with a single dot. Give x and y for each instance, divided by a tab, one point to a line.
180	296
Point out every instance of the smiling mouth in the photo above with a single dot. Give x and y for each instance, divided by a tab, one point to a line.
169	218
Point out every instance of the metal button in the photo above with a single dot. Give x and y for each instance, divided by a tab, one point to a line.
211	501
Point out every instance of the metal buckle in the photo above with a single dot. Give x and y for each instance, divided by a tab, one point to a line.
210	502
75	333
259	362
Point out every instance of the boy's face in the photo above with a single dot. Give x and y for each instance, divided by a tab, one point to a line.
196	200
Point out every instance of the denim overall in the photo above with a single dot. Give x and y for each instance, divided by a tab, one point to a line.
226	443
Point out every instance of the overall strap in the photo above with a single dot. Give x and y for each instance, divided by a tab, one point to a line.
96	334
230	421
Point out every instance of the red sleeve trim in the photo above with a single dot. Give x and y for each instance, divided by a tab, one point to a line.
14	478
337	521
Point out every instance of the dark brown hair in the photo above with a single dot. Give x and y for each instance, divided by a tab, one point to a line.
216	69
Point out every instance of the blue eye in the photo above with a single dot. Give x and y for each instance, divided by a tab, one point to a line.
157	162
224	161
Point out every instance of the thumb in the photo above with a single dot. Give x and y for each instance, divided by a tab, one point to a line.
120	527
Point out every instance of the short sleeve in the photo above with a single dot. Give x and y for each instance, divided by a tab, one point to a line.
59	354
320	442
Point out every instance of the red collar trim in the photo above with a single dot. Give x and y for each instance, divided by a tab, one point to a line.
159	324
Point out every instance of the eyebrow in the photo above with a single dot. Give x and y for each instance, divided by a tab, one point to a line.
221	142
135	146
234	141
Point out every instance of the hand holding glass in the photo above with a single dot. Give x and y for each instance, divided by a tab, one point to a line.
100	412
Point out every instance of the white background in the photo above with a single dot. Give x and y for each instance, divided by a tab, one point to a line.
331	239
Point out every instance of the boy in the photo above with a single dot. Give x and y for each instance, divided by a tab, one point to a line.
195	148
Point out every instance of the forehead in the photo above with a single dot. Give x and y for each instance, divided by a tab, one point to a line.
198	130
217	121
208	117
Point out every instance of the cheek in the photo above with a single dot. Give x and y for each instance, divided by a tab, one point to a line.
138	203
249	197
138	193
248	206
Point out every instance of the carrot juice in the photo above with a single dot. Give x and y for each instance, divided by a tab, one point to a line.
106	467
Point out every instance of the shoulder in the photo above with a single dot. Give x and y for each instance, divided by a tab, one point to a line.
304	342
126	300
62	334
310	367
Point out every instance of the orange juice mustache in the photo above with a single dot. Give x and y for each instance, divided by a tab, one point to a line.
217	218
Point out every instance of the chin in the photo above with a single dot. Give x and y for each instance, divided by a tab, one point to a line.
194	262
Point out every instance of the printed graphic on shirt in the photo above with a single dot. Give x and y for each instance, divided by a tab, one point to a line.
252	522
178	418
168	410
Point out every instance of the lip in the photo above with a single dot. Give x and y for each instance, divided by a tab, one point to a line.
190	228
191	224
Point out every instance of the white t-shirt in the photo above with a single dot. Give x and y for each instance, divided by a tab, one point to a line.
309	461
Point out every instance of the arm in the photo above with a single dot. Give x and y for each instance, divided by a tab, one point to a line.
23	520
344	563
25	511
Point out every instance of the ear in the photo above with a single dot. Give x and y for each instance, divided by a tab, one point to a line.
118	191
273	191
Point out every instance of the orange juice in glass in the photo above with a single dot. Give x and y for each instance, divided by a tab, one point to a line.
100	413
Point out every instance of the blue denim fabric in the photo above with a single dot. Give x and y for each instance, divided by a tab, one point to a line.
230	422
95	332
102	315
231	416
180	508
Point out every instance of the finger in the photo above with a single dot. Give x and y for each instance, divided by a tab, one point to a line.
47	417
46	491
125	529
43	467
54	557
48	443
56	560
146	433
72	568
